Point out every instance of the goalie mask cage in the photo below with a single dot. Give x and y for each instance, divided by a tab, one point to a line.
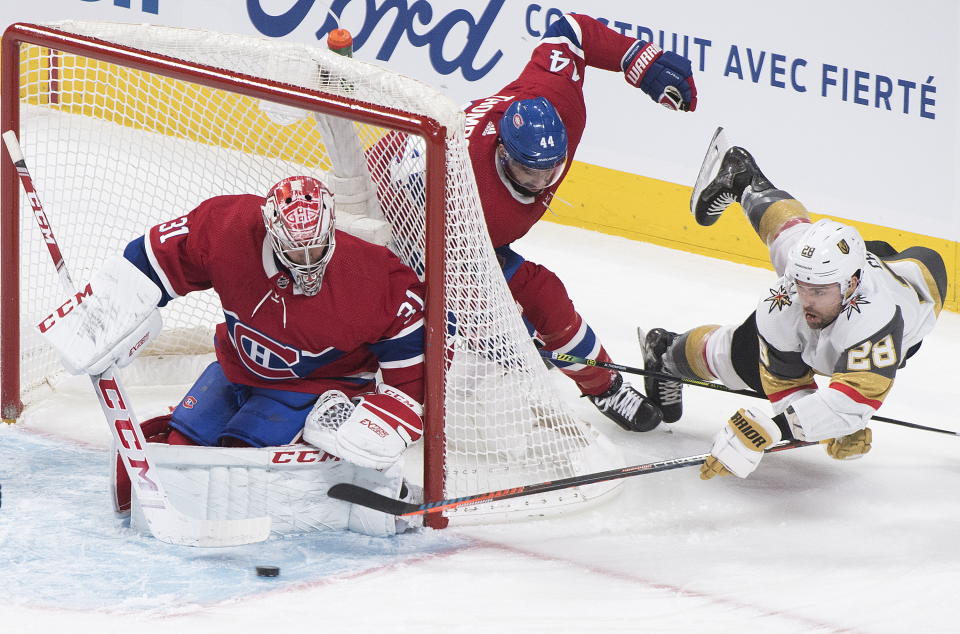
126	126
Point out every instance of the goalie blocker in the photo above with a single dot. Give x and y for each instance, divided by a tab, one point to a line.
110	320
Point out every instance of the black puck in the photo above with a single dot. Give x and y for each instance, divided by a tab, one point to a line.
268	571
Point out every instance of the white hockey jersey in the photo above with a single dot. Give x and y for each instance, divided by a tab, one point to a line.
894	307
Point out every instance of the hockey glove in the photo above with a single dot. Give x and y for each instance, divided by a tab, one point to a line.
329	413
738	447
378	431
664	75
848	447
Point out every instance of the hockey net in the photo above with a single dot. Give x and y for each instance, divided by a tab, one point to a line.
126	126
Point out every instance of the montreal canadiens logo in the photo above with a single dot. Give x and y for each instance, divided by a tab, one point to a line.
262	355
189	402
301	222
517	120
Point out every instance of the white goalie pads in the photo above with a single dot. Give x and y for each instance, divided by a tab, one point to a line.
289	484
109	320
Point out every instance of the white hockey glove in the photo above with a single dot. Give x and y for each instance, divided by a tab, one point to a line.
109	320
374	435
738	447
331	410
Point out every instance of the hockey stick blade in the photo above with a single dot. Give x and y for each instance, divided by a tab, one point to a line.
172	527
365	497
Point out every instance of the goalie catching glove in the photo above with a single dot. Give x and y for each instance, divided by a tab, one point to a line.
373	434
109	321
739	446
665	76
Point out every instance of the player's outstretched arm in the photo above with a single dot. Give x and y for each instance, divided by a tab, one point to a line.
664	76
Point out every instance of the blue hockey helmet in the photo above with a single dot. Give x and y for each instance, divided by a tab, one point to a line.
533	150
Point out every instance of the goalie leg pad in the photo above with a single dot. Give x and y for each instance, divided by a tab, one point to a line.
388	482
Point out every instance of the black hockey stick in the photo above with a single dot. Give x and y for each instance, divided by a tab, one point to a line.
569	358
365	497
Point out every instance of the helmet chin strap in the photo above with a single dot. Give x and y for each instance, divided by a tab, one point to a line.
520	189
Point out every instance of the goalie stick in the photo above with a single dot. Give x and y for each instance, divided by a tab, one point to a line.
365	497
165	522
569	358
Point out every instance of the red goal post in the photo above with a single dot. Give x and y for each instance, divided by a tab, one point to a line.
491	416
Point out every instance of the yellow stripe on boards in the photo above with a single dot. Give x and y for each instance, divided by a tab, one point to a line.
655	211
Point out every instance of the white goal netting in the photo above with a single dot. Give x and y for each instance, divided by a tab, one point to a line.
115	149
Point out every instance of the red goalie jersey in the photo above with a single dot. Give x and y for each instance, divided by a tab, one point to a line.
366	315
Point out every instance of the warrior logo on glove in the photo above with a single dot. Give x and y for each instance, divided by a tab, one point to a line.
663	75
738	447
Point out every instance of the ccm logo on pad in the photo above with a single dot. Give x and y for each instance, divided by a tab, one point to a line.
301	455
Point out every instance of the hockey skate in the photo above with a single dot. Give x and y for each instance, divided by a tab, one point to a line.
726	171
627	407
667	395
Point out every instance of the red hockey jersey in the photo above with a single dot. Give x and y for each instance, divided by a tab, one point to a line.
555	71
367	314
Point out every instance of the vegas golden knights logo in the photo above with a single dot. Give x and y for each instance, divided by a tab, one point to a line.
807	252
844	247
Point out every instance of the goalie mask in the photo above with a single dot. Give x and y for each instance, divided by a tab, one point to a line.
828	253
532	153
298	215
